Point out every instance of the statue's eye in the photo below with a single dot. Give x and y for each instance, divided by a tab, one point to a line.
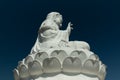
57	14
54	20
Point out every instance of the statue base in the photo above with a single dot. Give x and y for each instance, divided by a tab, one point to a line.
67	77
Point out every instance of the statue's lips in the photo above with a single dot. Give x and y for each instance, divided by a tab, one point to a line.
43	29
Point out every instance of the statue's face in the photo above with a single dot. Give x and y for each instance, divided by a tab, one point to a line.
58	20
56	17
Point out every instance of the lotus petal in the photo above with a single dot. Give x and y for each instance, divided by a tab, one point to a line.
23	72
16	74
41	56
79	54
35	69
28	59
94	57
20	63
91	67
72	65
60	54
51	65
102	72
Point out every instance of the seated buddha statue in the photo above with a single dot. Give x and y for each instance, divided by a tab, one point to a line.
54	57
50	35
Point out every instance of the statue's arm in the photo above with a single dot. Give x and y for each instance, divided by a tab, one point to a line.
69	28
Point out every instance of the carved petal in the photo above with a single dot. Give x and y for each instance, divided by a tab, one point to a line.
91	67
80	54
102	72
41	56
35	69
20	63
23	72
72	65
51	65
94	57
28	59
16	74
60	54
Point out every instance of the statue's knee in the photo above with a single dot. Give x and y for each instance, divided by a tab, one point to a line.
79	44
84	45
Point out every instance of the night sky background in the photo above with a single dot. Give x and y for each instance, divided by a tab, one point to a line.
94	21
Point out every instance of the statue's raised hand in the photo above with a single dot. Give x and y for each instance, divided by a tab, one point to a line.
69	27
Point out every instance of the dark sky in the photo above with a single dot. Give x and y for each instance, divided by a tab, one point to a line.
95	21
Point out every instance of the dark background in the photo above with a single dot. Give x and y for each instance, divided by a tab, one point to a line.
95	21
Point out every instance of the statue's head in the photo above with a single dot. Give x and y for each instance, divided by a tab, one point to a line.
50	26
56	17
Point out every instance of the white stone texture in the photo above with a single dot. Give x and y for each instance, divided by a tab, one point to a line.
54	57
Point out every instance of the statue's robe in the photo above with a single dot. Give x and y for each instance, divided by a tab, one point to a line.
50	36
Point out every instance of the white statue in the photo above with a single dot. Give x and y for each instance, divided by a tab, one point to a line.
54	57
50	35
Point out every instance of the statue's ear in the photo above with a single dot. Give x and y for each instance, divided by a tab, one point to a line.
39	31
